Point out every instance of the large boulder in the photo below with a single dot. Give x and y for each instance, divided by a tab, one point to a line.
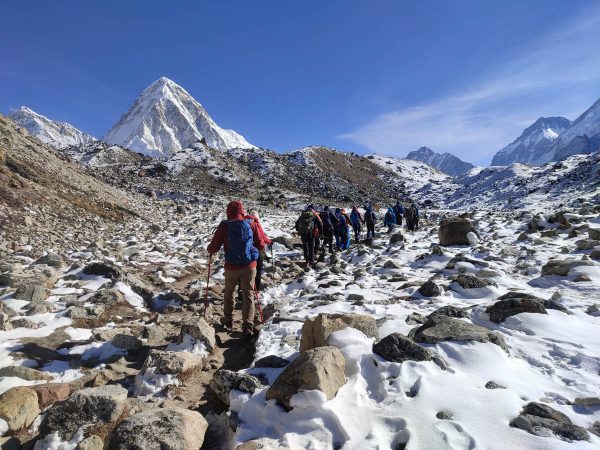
542	420
454	231
105	269
439	328
225	381
320	368
25	373
159	429
200	330
31	293
468	281
171	362
399	348
50	259
317	330
430	289
594	233
561	267
511	304
97	405
19	407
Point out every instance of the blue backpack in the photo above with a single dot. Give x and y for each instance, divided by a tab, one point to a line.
240	249
355	218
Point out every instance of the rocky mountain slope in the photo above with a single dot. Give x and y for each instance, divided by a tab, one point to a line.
445	162
572	181
534	143
47	200
416	174
57	134
165	119
582	137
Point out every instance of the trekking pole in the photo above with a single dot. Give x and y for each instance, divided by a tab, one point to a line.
207	282
258	304
272	264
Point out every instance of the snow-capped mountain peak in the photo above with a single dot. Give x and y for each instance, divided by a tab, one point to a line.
165	118
535	143
445	162
57	134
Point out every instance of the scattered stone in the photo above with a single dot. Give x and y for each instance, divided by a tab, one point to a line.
95	405
450	311
467	281
31	293
104	269
493	385
396	238
22	322
587	244
444	415
440	328
19	407
127	342
415	318
93	442
166	362
399	348
594	233
587	401
24	373
320	368
5	324
107	297
430	289
50	393
225	381
156	429
51	259
317	330
271	361
454	231
199	330
540	419
561	267
582	278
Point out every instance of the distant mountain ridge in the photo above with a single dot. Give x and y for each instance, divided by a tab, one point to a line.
164	119
445	162
534	143
52	132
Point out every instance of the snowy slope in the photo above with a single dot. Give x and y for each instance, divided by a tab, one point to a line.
582	137
534	144
165	119
445	162
417	174
57	134
524	186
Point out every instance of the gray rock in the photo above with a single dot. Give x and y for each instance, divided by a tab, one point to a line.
95	405
396	238
31	293
160	429
127	342
540	419
493	385
398	348
595	428
51	259
586	244
225	381
22	322
440	328
515	303
320	368
430	289
107	297
105	269
5	324
271	361
561	267
25	373
317	330
167	362
93	442
444	415
594	233
454	231
467	281
200	330
39	308
587	401
450	311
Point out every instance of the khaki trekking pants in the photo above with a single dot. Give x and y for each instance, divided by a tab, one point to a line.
245	278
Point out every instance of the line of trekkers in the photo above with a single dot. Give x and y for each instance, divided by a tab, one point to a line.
319	229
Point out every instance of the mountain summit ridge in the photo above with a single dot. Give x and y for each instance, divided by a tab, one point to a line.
165	118
445	162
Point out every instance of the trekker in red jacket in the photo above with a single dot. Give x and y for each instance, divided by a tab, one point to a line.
242	242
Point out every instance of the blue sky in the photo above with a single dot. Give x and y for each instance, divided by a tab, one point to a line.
379	76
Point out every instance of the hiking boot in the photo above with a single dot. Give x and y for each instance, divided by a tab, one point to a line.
226	323
250	331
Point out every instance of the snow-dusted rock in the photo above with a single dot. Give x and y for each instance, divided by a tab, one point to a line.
561	267
317	330
225	381
156	429
542	420
454	231
199	329
398	348
320	369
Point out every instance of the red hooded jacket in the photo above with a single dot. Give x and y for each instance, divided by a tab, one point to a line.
235	211
261	230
